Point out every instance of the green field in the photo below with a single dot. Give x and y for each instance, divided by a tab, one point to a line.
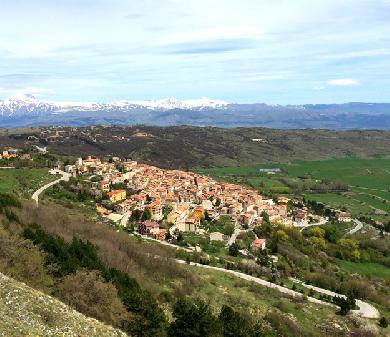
365	269
368	182
24	180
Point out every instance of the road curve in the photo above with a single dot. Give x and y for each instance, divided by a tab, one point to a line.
365	310
358	227
37	193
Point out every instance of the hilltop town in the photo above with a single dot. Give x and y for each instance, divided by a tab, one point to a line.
158	201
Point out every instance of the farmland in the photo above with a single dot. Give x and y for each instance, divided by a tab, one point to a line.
365	183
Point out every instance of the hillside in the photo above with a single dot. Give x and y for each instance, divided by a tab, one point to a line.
25	311
189	147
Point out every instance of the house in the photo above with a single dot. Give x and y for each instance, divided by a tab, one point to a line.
70	168
192	224
123	207
258	244
300	216
344	217
159	233
147	227
117	195
155	209
104	186
25	156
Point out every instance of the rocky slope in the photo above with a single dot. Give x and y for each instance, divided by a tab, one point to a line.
28	312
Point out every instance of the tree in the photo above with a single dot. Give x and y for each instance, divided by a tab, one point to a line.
318	242
349	249
317	232
234	324
233	249
265	217
345	304
263	258
383	322
192	319
147	214
180	237
281	235
88	293
228	229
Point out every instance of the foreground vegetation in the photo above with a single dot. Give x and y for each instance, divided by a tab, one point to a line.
149	294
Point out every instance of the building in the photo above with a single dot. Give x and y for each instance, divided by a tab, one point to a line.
148	227
344	217
191	225
258	244
155	209
117	195
104	186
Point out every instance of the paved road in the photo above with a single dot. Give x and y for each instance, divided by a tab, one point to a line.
37	193
320	223
165	243
358	227
259	281
365	310
125	219
233	238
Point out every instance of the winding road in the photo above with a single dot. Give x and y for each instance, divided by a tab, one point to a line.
365	310
358	227
37	193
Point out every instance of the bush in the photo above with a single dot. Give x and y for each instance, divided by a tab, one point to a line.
88	293
383	323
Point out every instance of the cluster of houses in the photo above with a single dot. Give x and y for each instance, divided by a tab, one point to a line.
9	153
187	196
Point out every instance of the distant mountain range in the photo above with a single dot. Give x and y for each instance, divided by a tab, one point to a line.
26	110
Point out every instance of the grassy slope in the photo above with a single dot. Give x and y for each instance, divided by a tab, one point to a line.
365	268
28	312
23	180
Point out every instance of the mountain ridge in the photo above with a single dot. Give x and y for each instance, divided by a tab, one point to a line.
26	110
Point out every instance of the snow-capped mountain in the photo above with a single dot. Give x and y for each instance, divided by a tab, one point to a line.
28	104
26	110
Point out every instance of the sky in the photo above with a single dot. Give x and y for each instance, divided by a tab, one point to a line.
241	51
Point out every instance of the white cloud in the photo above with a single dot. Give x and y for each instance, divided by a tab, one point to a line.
219	33
343	82
38	92
360	53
